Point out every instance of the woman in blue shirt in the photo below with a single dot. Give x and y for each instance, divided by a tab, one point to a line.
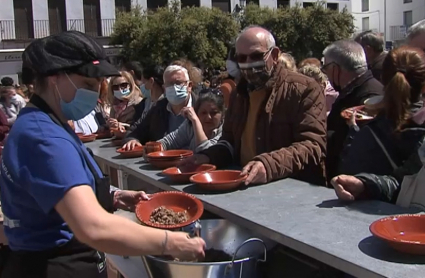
54	197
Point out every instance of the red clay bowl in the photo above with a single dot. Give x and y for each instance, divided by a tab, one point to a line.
405	233
183	174
175	200
171	154
136	152
151	147
165	163
346	114
87	138
221	180
104	134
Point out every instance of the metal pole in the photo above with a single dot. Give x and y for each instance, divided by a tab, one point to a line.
385	20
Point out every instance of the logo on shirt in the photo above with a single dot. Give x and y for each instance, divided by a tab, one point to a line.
5	172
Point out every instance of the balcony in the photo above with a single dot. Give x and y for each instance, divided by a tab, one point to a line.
398	33
42	28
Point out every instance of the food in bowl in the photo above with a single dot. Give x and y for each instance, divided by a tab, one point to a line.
164	216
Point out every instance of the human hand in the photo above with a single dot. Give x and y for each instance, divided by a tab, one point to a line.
121	128
189	113
347	188
256	173
113	123
194	160
180	245
352	120
130	145
128	199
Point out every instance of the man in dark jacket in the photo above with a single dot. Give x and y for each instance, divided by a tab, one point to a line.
346	67
275	126
373	45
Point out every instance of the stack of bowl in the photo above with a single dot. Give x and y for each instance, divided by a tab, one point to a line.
87	138
167	159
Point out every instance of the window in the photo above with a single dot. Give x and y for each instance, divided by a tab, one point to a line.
57	16
283	3
365	5
333	6
223	5
122	5
155	4
92	25
407	18
407	1
365	24
256	2
190	3
24	24
307	4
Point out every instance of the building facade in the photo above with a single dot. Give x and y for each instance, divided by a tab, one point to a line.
391	18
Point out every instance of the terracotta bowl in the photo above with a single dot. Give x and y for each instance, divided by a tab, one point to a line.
151	147
221	180
79	134
165	163
87	138
183	174
118	134
104	134
117	142
171	154
346	114
405	233
136	152
177	201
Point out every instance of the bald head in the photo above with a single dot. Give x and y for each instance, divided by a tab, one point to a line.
254	39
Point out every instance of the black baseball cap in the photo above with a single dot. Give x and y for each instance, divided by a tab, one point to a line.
70	51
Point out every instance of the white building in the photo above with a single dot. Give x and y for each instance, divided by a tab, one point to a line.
390	17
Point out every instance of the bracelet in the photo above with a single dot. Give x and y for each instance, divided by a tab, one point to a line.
164	243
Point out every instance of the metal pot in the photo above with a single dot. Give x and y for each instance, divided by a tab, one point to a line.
247	251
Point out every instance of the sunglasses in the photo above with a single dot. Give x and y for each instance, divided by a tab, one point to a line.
255	56
120	86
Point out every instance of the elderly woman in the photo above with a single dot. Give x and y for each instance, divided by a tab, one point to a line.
123	95
9	103
203	124
165	116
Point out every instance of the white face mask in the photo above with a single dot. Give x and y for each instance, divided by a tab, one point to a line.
232	68
14	98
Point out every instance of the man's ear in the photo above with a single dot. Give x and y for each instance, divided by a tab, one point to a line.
275	53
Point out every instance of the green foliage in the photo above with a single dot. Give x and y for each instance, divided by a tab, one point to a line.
302	30
196	33
202	34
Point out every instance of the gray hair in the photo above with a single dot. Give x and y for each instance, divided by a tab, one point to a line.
174	68
269	37
348	54
415	30
372	39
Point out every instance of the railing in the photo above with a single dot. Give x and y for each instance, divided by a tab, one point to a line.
398	32
9	30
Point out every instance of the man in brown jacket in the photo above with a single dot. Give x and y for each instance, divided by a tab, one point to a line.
275	125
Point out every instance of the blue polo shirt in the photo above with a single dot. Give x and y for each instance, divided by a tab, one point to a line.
41	161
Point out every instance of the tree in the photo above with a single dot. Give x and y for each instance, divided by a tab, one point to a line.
301	30
197	33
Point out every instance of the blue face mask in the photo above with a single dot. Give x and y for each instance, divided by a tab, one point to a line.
83	103
176	94
121	94
145	92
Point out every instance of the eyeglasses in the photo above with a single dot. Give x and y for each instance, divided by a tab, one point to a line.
178	84
255	56
123	85
323	68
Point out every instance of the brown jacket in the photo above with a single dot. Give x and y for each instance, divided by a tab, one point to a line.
127	116
290	130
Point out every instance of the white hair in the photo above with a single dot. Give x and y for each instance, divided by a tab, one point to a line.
415	30
175	68
348	54
270	41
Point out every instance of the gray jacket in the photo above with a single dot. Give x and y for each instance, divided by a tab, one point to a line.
184	138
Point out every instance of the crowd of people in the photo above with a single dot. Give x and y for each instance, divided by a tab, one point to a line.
264	113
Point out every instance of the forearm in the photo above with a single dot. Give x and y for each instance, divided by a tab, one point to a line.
116	235
198	130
